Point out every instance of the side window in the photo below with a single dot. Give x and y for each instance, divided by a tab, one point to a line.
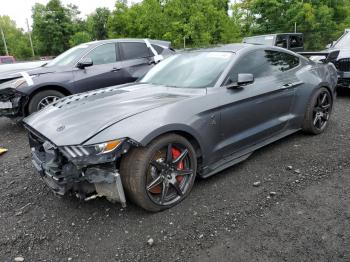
253	63
103	54
282	41
263	63
158	48
296	41
133	50
280	61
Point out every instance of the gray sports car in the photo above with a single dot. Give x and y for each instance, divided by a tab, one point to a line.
195	113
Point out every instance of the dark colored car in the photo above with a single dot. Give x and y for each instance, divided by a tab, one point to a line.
290	41
194	113
7	60
82	68
342	61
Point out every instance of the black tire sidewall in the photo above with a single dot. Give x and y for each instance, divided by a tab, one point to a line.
34	101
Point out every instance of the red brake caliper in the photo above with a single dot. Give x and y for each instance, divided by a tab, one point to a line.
176	153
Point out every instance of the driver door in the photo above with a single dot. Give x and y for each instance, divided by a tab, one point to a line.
257	111
104	72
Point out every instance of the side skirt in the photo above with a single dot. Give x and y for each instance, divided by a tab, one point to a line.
241	156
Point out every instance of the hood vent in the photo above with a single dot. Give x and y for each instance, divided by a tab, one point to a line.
78	97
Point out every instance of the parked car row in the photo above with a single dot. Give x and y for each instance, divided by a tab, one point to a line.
83	68
191	113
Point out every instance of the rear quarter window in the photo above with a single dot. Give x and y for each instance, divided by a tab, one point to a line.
134	50
158	48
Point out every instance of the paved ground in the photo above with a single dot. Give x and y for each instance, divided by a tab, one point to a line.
225	218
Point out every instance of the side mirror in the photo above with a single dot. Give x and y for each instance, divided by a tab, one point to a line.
242	80
85	62
245	79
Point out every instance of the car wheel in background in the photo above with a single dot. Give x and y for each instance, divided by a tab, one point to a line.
160	175
43	99
318	112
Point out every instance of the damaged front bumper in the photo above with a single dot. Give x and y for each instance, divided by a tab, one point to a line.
85	181
12	103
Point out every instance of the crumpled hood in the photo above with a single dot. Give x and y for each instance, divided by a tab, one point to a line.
75	119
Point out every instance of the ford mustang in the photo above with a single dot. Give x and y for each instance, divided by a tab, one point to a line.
193	114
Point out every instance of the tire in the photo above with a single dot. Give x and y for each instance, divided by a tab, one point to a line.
35	101
138	173
313	108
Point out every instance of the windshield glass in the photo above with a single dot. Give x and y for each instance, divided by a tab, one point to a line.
189	70
262	40
344	41
68	56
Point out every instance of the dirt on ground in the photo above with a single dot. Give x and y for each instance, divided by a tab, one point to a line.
289	201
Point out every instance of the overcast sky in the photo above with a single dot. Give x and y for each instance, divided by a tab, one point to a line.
19	10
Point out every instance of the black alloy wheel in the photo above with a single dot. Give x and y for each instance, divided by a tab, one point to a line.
318	112
322	110
169	174
161	174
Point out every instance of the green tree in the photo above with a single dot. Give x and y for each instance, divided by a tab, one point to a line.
320	21
17	41
200	23
97	23
53	26
79	38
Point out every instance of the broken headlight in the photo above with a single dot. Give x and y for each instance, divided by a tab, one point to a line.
13	83
92	154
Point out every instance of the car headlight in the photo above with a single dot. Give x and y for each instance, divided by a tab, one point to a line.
13	83
92	154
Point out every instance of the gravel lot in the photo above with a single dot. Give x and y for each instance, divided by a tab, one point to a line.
226	217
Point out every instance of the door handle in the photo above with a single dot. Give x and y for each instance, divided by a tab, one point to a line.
288	85
115	69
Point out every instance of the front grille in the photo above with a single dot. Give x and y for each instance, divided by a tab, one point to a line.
343	65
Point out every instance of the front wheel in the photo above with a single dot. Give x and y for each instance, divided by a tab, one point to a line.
160	175
43	99
318	112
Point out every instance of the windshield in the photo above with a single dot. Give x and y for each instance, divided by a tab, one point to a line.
189	70
344	41
68	56
262	40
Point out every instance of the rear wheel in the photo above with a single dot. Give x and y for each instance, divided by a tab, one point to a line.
161	174
43	99
318	112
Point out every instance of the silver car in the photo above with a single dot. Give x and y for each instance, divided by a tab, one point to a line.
194	114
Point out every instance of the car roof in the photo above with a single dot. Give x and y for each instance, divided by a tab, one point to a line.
222	48
273	35
234	48
6	56
118	40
